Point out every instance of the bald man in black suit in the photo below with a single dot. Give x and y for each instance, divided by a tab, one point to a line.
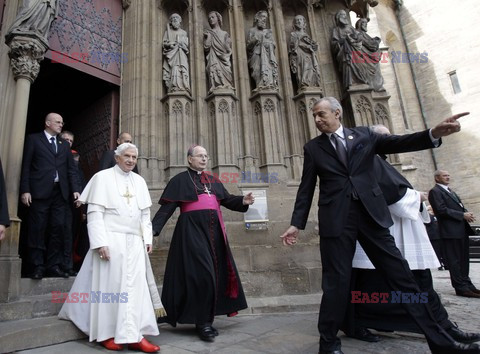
48	178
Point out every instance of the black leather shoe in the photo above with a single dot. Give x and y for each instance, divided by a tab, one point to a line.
56	273
456	348
336	351
214	330
467	293
206	333
362	333
476	291
463	337
37	274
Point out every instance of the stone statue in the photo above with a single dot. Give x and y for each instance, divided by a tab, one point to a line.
346	44
371	54
261	54
303	60
218	49
36	17
175	50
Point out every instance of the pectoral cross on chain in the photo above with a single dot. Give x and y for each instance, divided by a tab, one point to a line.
128	195
207	191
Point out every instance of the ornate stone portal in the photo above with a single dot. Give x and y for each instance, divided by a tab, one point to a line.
254	120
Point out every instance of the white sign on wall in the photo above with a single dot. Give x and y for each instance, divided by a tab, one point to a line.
256	218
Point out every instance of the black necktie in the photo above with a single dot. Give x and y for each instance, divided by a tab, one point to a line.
454	195
52	142
341	151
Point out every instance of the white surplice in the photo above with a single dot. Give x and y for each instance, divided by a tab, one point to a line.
410	235
118	217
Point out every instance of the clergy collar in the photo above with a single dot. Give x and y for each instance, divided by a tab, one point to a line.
195	171
120	171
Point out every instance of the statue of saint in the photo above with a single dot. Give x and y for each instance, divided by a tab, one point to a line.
347	44
218	49
371	54
36	16
303	60
261	54
175	50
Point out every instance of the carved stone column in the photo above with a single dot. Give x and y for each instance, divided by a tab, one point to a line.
304	129
140	114
242	83
180	131
268	133
223	128
25	54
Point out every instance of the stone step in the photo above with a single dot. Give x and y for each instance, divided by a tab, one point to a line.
36	299
28	307
29	287
25	334
36	332
285	303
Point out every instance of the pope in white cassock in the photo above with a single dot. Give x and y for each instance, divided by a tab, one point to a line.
114	298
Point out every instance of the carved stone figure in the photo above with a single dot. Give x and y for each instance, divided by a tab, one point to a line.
36	16
176	73
261	54
218	48
345	45
371	54
303	60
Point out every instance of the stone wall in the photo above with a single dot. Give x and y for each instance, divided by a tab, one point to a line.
447	32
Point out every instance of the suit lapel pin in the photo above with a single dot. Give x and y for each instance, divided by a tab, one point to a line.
350	137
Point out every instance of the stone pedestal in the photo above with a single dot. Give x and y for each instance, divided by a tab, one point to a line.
269	139
223	128
10	263
365	107
180	131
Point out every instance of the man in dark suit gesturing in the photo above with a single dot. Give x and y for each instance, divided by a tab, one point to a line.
454	229
48	178
351	208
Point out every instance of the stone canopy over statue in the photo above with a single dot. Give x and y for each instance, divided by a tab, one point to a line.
302	56
35	17
350	48
218	49
261	54
176	74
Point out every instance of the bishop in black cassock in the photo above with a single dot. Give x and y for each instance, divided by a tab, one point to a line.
201	279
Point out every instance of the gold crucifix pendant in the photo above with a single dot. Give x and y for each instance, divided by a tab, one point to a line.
128	195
